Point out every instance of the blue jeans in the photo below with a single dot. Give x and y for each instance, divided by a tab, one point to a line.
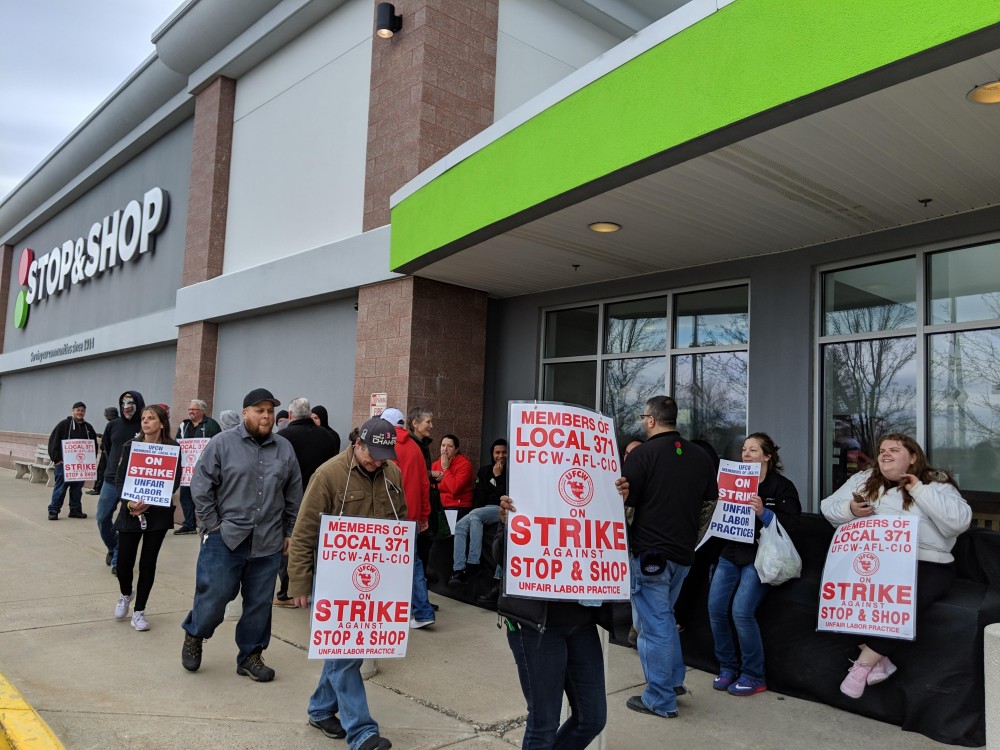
341	689
220	575
59	493
743	581
420	605
187	506
470	530
564	658
653	600
106	504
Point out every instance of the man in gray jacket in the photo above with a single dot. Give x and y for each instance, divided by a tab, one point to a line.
246	489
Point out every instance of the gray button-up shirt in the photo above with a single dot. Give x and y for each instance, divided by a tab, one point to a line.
248	489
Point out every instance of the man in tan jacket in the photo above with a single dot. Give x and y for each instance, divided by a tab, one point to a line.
362	481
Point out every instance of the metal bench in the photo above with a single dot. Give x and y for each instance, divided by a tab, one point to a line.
42	470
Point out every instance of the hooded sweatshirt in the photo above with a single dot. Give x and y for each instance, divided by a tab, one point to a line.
416	484
120	431
324	422
69	429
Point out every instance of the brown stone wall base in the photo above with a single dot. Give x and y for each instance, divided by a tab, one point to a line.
424	343
19	446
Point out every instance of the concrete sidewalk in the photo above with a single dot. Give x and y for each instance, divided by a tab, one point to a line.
100	684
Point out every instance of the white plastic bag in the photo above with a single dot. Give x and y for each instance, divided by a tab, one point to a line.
777	559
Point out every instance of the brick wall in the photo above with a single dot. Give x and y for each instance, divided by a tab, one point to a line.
424	343
205	236
432	89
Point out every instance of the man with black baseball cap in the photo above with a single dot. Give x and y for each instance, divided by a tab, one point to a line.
361	481
73	427
246	488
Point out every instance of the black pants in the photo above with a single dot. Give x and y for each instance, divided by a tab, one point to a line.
933	582
128	547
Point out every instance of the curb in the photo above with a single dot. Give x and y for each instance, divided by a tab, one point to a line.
20	725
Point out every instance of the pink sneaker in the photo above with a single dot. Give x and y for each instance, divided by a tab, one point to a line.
882	671
857	677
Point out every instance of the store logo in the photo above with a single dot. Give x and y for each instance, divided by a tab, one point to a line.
576	487
866	564
123	236
365	577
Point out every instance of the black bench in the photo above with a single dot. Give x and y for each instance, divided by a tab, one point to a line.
938	690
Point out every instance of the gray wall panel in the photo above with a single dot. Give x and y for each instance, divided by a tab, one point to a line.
304	352
141	286
34	401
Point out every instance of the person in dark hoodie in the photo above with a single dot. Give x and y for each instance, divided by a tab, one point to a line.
110	412
321	418
72	428
116	434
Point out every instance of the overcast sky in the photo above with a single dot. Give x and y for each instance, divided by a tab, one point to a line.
61	58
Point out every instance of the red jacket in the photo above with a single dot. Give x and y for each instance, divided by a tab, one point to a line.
458	482
416	484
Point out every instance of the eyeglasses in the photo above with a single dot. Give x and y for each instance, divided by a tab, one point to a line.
643	416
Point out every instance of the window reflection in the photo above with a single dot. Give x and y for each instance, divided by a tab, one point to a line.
571	383
880	297
965	406
711	391
628	385
869	390
964	285
717	317
636	326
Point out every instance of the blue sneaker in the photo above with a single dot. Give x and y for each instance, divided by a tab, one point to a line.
726	678
747	685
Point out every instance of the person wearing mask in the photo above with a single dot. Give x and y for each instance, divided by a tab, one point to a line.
110	412
138	522
736	587
321	419
902	483
74	427
455	477
491	485
116	434
198	425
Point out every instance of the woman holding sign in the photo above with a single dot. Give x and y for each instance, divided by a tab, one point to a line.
903	484
138	521
736	585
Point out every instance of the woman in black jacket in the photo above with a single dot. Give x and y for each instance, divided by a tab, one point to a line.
557	650
138	521
735	583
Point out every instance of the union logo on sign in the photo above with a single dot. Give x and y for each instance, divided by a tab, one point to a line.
80	457
866	564
576	487
365	577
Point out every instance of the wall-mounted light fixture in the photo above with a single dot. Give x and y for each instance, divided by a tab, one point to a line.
387	22
604	226
987	93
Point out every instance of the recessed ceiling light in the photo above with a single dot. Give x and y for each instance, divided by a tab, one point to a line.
604	226
987	93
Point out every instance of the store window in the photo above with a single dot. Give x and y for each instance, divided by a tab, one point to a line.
912	345
617	354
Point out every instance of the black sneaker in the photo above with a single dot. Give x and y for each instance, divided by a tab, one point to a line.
489	599
191	653
77	514
184	530
53	516
107	558
331	727
255	668
114	570
93	492
375	743
458	578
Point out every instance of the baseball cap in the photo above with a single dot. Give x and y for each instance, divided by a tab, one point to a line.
394	417
257	395
380	437
78	404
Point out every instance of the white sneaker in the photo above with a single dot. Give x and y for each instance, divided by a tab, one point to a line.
139	621
417	624
121	608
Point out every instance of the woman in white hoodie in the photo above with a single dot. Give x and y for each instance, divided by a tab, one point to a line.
901	483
